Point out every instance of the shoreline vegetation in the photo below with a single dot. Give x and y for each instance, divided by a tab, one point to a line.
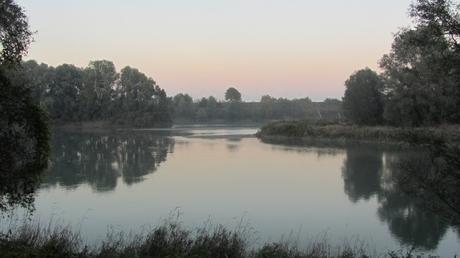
172	239
302	131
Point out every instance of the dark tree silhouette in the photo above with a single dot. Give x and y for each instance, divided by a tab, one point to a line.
232	95
24	132
363	100
15	35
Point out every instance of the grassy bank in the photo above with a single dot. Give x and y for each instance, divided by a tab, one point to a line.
343	133
169	240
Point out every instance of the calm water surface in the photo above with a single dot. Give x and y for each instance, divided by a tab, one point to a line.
129	179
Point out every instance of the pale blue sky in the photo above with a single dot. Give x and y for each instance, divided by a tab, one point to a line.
289	48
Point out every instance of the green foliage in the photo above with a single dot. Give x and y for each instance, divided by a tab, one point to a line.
97	89
24	137
421	72
269	108
232	95
97	92
288	129
24	132
63	99
141	101
15	35
130	98
183	106
305	129
363	100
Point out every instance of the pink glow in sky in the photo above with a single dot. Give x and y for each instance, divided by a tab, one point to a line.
289	48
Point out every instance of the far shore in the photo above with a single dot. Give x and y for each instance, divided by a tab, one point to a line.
307	131
103	124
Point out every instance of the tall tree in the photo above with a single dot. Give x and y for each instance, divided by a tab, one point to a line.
99	80
232	95
24	132
266	106
422	71
183	106
37	78
140	101
363	100
15	35
136	89
63	98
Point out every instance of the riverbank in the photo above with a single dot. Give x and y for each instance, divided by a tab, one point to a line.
305	131
172	240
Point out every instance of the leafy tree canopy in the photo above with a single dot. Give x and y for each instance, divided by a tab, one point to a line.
363	100
232	95
15	35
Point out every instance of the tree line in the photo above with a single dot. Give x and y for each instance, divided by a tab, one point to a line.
96	92
420	80
129	98
268	108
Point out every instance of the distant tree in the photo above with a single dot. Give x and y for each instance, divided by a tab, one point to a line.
139	101
332	102
136	90
163	115
183	106
37	78
99	80
97	92
212	102
213	108
203	103
202	110
363	100
232	95
15	35
202	114
267	106
63	97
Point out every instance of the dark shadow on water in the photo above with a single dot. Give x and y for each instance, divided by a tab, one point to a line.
361	172
411	215
99	159
416	188
17	190
24	142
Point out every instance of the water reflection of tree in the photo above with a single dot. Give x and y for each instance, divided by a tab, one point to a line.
18	190
409	222
435	178
403	200
99	159
361	172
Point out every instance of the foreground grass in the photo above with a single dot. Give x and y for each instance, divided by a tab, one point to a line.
339	132
169	240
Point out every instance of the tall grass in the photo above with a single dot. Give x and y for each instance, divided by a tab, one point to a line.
168	240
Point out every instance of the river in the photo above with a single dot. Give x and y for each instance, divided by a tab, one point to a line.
130	179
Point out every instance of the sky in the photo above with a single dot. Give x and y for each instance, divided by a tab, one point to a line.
284	48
